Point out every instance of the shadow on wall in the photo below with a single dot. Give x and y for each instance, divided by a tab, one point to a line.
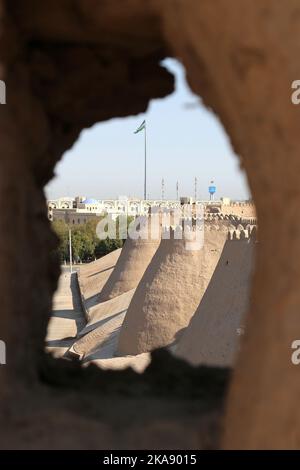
43	117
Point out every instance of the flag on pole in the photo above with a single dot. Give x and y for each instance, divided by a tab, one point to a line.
142	126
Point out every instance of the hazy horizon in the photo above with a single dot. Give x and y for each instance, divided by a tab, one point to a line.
185	140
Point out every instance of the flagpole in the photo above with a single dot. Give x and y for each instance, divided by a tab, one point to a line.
142	127
70	250
145	180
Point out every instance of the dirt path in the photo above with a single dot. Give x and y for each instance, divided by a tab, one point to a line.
67	317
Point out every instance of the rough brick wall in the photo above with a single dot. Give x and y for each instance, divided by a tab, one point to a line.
68	64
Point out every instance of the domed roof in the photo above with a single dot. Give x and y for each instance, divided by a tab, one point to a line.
90	201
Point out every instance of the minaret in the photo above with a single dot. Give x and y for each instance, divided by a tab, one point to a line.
177	191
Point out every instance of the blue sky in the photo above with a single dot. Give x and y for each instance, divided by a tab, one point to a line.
184	142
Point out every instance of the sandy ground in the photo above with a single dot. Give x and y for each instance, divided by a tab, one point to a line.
92	277
137	363
90	333
67	317
98	339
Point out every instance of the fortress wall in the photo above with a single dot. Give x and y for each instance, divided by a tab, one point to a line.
105	322
242	69
93	276
213	334
245	211
169	293
130	267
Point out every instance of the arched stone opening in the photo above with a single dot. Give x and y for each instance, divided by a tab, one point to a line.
242	71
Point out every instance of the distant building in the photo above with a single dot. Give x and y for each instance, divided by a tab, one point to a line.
61	203
72	216
89	205
226	201
79	199
186	200
80	210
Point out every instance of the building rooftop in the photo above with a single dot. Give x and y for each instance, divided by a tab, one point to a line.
90	201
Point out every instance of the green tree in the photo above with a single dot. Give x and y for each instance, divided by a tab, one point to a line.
86	246
62	231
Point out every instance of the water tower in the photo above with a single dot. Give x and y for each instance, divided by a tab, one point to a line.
211	189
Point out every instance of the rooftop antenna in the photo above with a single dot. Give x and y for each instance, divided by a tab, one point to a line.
196	184
162	189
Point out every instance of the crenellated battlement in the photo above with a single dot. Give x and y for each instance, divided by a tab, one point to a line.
235	231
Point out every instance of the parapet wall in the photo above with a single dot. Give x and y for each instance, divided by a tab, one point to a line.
242	210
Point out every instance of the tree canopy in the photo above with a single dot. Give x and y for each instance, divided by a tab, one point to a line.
86	246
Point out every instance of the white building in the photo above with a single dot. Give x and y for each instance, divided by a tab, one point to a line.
89	205
81	209
61	203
